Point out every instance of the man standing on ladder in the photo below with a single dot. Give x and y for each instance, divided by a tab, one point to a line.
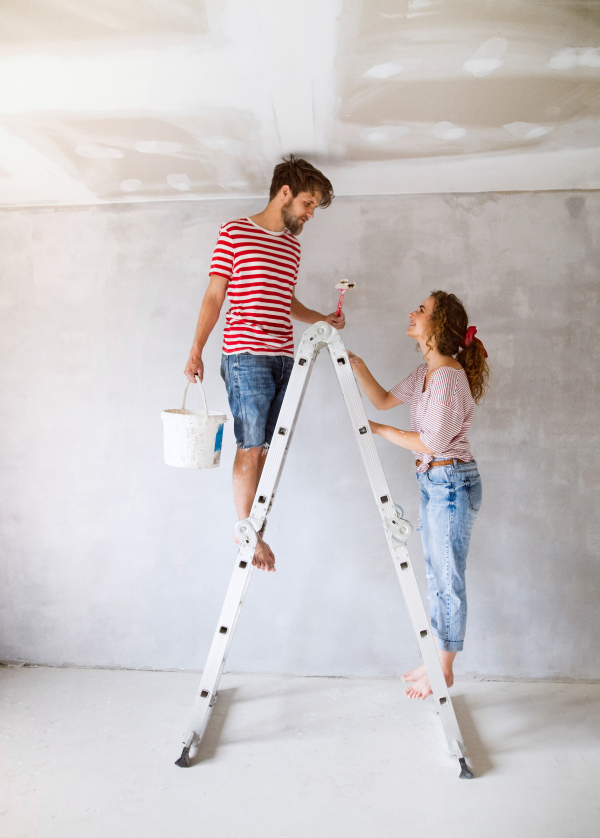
256	264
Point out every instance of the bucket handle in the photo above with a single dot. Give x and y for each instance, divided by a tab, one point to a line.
197	377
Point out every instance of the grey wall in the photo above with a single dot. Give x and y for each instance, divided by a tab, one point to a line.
109	557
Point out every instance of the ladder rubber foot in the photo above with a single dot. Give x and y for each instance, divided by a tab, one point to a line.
184	759
465	771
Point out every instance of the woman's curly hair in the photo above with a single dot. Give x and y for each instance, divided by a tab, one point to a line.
448	327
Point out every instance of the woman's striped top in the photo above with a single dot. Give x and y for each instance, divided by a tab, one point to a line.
441	415
262	269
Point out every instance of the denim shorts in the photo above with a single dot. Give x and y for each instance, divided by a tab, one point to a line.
256	385
450	500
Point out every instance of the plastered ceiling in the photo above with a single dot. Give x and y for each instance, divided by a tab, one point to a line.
135	100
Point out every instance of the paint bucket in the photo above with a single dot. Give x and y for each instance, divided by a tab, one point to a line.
193	438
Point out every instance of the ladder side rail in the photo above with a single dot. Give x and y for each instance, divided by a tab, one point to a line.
221	642
399	551
284	430
362	430
242	570
427	647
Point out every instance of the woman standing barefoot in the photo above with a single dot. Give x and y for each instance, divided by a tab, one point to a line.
441	393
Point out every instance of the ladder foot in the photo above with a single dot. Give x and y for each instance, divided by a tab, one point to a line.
184	759
465	771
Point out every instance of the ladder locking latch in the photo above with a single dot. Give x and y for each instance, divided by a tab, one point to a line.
247	529
341	361
398	529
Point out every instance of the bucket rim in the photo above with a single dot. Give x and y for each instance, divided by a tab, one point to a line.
179	413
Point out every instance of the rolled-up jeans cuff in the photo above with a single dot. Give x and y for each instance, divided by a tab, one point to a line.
449	645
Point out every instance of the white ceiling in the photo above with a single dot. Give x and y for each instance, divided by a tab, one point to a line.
136	100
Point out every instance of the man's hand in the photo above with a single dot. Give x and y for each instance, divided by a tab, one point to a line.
374	427
335	321
195	366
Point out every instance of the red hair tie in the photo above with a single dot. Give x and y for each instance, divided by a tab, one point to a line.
470	336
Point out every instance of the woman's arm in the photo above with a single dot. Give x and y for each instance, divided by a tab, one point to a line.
379	398
406	439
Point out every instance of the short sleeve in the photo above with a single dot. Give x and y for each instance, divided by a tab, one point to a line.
445	415
222	260
406	389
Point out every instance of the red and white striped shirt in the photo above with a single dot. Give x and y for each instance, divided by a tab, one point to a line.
262	269
441	415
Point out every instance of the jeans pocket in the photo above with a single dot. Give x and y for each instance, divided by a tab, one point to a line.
438	477
474	492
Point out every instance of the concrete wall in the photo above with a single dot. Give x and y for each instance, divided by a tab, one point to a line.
111	558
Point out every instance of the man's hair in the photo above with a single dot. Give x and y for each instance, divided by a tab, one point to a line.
300	176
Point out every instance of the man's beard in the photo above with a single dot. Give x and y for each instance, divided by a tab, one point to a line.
294	225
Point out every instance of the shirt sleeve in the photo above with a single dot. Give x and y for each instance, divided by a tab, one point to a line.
222	260
444	416
405	390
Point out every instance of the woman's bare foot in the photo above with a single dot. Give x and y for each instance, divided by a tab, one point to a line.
422	687
415	674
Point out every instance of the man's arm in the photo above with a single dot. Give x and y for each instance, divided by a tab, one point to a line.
209	314
307	315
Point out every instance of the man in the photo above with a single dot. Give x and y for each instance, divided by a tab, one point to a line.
256	263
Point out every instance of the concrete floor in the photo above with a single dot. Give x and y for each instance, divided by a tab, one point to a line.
89	754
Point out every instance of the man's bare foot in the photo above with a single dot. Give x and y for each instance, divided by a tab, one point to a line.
263	556
415	674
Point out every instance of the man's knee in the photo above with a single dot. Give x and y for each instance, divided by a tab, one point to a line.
249	455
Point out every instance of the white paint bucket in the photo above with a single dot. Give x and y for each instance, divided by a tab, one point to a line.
193	438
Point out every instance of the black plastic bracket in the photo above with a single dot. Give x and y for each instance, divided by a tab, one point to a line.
184	759
465	771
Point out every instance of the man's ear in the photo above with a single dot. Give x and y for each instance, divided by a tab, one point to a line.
285	193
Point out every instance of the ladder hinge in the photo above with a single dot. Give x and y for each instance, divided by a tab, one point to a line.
398	529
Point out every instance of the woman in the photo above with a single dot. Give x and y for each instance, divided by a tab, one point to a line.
441	393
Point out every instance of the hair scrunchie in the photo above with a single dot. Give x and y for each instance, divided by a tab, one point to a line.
469	337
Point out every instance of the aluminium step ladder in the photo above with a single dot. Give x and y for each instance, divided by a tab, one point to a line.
397	530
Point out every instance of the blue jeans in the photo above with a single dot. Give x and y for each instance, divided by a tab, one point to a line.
450	501
256	385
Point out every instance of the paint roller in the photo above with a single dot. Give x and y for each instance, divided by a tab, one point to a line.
342	287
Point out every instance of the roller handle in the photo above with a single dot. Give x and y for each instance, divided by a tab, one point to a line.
338	310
